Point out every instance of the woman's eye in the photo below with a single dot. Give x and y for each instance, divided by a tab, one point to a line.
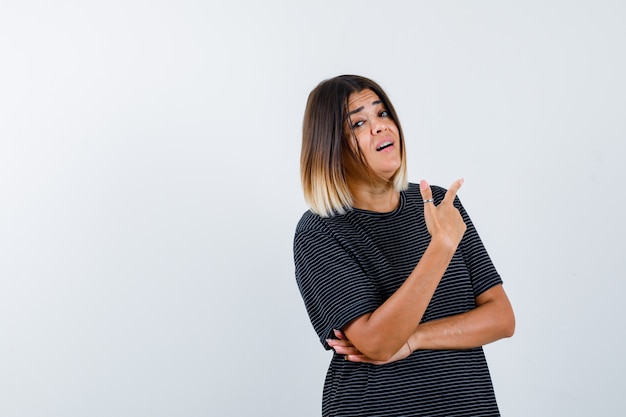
358	123
384	113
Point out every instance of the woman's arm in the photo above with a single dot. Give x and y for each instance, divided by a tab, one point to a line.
380	334
491	320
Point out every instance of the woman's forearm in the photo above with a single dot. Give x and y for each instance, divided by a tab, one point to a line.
491	320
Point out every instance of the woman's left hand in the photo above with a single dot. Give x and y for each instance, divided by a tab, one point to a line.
344	347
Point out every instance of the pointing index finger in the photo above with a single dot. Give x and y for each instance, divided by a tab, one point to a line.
454	188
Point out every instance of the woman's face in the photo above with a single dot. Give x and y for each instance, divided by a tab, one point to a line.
376	133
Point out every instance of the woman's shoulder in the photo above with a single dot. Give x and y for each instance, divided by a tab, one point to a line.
308	220
311	222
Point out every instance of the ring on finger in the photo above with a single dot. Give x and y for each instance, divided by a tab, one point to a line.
430	200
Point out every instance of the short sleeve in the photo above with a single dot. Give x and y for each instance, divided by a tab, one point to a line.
335	289
482	270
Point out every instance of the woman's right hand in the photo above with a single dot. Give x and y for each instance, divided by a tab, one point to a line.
343	346
444	222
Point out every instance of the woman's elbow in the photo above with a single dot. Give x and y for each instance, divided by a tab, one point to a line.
508	325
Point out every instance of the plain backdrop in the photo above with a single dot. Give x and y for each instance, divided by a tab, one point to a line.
149	191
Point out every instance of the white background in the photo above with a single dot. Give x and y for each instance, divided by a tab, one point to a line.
149	190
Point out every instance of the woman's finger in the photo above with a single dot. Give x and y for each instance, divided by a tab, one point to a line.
340	335
427	193
335	342
343	350
338	342
362	359
427	196
454	188
430	211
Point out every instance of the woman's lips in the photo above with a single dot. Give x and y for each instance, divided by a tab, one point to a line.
384	145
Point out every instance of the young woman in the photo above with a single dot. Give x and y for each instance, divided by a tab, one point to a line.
393	275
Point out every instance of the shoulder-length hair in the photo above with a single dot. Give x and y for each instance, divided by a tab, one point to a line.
328	158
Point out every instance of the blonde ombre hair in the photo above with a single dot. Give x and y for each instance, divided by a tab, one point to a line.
328	160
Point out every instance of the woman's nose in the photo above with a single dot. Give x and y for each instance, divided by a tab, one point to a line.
378	126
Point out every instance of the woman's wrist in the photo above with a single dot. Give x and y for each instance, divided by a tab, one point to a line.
412	343
443	245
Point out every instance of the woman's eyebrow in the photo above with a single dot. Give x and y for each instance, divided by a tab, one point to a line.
358	109
374	103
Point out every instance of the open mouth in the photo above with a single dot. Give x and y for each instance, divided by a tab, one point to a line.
384	145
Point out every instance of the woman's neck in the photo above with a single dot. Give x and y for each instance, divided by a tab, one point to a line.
380	200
